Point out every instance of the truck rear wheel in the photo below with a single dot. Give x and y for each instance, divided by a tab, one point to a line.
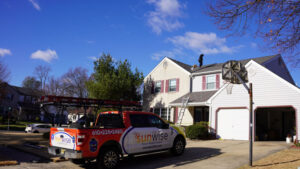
108	158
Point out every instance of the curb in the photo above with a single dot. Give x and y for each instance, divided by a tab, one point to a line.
7	163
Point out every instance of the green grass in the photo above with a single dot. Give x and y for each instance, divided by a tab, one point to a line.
18	126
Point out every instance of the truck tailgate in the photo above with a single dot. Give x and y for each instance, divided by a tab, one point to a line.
63	138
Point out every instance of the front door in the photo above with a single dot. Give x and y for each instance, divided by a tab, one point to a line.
201	114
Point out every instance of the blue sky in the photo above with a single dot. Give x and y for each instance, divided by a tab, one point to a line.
70	33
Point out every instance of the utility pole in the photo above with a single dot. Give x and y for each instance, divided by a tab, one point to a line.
251	123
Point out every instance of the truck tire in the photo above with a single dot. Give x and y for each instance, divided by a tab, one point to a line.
178	146
108	158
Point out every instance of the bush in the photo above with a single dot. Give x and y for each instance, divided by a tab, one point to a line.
198	131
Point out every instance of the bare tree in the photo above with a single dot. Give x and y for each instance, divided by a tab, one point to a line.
54	87
74	82
277	21
42	73
4	73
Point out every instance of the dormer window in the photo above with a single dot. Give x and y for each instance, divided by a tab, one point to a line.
210	82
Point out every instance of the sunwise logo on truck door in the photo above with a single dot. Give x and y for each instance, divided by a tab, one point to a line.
150	137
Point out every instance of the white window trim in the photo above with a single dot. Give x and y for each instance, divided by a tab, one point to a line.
215	86
170	84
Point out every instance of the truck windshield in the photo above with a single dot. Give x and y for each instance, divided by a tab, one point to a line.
110	121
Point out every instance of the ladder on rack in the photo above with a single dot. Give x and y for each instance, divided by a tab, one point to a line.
185	101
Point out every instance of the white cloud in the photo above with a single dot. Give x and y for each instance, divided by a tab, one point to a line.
253	45
171	54
93	58
165	15
35	4
46	55
4	52
90	41
207	43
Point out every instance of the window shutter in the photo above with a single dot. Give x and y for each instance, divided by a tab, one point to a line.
152	88
177	85
167	86
218	81
203	82
162	86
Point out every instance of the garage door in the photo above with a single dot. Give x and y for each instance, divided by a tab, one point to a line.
233	124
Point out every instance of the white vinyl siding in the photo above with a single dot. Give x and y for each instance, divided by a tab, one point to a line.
268	90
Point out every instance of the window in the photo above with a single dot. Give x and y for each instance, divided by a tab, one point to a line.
172	85
211	82
110	121
155	121
21	98
157	87
139	120
162	112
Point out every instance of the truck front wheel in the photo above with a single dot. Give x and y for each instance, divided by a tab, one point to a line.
108	158
178	146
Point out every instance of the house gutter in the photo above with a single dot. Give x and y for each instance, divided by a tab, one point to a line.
204	73
189	104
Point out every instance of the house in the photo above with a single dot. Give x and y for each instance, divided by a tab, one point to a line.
224	105
19	102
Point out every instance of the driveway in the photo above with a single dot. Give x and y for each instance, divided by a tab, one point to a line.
217	154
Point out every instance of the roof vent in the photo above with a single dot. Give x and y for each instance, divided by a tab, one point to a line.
200	60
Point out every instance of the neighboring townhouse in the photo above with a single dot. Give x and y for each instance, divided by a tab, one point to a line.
226	106
19	102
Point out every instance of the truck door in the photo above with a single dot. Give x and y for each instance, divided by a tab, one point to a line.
140	137
165	135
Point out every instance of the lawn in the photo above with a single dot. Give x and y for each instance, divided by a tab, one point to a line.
18	126
287	159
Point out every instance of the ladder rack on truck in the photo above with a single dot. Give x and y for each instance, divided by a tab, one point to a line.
63	102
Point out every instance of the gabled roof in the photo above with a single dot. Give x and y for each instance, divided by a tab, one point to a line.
218	66
183	65
215	66
196	97
186	68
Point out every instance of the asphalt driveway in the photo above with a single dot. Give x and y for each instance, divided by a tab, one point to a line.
216	154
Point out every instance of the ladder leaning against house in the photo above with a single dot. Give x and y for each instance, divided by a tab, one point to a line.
184	103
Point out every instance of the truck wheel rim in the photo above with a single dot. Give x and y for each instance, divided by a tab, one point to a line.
179	146
110	159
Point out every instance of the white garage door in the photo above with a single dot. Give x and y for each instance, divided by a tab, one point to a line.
233	124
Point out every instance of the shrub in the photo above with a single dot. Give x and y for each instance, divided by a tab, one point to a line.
198	131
